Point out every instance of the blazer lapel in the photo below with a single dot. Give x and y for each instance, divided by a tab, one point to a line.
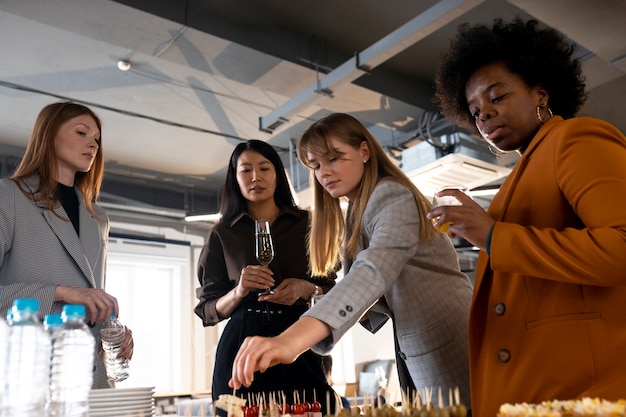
91	237
501	201
65	230
69	239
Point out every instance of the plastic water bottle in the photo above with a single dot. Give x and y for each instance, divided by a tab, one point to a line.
51	322
10	317
4	346
112	333
71	371
28	363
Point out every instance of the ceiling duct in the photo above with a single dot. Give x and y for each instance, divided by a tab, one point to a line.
454	159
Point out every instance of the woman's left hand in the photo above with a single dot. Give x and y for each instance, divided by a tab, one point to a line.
128	345
468	220
288	291
127	348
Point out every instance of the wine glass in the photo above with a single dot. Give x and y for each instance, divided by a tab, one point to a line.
447	200
264	248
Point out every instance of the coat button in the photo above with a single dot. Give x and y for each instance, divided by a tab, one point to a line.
499	309
504	355
349	309
403	355
342	313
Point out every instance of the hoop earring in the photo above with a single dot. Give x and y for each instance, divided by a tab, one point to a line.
539	117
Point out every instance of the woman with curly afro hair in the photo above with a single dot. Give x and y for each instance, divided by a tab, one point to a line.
548	317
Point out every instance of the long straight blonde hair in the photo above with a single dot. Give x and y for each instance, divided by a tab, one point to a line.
326	236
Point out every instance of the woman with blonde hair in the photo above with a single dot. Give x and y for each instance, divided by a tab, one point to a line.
395	263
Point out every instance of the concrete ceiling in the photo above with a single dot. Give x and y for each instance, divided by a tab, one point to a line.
207	74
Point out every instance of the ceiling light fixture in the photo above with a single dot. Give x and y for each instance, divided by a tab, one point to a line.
123	64
214	217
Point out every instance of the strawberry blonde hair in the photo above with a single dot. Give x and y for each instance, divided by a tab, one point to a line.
40	156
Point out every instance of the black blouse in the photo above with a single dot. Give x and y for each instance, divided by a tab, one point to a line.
230	247
69	201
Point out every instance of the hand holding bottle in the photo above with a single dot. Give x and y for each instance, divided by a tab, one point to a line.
114	338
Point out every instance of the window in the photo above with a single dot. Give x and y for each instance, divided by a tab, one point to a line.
154	291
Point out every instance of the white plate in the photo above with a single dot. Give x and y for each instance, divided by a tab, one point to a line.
111	407
121	393
107	402
108	391
148	412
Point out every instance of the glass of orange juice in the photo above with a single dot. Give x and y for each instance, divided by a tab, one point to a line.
447	200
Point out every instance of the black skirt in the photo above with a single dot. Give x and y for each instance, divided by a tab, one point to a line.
303	380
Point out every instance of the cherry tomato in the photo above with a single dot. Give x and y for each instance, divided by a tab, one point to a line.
284	409
316	407
307	407
297	409
250	412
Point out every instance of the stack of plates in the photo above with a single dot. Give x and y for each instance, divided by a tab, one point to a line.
122	402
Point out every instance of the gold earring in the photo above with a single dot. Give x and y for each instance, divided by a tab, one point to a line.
540	118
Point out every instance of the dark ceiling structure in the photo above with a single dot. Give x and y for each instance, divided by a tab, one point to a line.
178	83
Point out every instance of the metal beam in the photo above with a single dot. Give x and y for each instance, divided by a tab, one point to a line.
406	35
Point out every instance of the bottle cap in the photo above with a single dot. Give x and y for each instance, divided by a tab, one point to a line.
52	320
73	310
26	304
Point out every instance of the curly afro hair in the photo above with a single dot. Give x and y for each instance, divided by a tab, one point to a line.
539	56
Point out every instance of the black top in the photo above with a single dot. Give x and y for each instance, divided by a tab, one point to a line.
230	247
69	201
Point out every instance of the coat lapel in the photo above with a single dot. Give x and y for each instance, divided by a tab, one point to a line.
64	230
501	201
90	237
70	241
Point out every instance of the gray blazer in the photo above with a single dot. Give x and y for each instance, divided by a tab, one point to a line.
426	294
39	250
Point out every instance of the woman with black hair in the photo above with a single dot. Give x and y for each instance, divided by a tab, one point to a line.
232	280
548	318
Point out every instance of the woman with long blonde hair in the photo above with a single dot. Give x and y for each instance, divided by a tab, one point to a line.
396	265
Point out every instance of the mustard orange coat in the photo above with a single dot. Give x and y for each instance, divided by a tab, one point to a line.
549	311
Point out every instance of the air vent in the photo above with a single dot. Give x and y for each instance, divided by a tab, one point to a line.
465	162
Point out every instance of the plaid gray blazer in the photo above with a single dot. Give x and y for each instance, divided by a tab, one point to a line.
426	294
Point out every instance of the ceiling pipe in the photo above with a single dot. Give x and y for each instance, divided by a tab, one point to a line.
397	41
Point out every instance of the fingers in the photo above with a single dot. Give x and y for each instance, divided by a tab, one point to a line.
255	354
243	367
98	303
128	346
256	277
451	213
278	298
287	292
468	220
